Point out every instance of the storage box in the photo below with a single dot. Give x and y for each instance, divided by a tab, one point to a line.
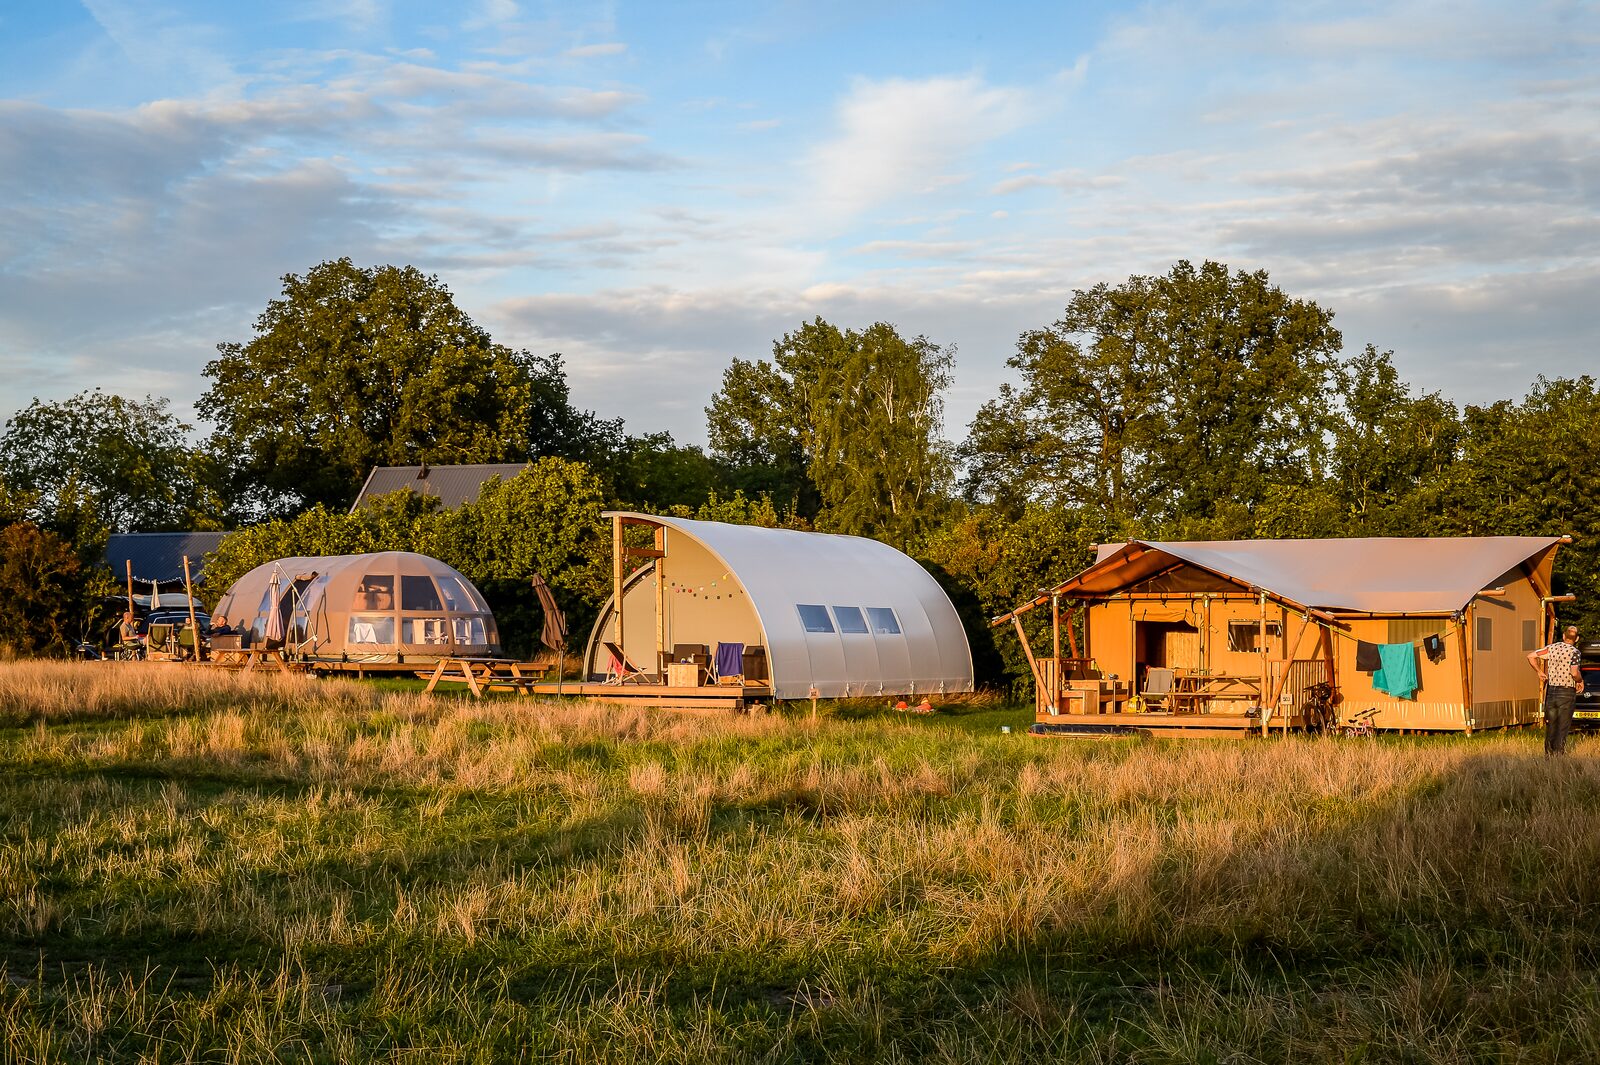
685	675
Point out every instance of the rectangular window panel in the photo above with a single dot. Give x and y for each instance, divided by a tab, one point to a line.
371	629
426	630
374	593
1530	635
1486	634
418	593
884	623
814	618
850	619
469	632
1245	635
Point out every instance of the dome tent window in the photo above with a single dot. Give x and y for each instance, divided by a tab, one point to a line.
457	599
469	632
375	593
371	629
418	593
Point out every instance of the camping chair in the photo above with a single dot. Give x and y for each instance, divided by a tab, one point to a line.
620	669
159	638
1157	686
186	642
728	666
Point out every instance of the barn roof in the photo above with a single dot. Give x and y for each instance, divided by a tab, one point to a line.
159	556
1377	575
451	485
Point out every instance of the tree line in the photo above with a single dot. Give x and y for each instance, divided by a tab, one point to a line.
1202	403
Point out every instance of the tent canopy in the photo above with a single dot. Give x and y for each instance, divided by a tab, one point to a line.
1372	575
842	614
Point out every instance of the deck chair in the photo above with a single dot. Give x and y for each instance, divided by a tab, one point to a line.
728	665
620	669
159	638
1157	686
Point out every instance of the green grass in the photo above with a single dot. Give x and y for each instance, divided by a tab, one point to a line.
231	869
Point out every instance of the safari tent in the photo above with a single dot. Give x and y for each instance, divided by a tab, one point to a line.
784	613
1418	633
389	607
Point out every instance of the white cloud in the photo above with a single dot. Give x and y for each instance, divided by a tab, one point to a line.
898	138
591	51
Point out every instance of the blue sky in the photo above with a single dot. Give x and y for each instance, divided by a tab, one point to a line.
655	189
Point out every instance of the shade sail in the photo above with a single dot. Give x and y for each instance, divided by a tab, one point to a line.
1376	575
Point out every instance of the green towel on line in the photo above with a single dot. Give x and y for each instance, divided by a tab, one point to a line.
1398	674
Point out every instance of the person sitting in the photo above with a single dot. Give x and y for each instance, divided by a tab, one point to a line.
220	626
128	631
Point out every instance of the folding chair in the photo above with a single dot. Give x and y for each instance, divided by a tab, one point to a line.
620	669
1157	686
728	665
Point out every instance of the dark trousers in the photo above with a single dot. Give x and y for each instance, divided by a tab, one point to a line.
1558	704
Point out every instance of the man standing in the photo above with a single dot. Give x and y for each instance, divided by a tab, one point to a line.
1559	670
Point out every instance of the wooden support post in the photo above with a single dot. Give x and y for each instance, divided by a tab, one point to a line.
618	561
1283	679
661	592
1072	634
1261	645
1038	677
194	629
1055	639
130	584
1466	670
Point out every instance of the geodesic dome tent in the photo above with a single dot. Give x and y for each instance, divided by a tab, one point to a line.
381	607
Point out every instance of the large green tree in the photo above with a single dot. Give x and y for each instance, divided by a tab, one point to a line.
98	462
851	418
354	367
1164	403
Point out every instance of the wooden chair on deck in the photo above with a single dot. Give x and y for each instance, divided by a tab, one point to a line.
620	669
1157	687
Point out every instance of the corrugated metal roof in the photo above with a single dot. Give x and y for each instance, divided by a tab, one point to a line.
1378	575
451	485
159	556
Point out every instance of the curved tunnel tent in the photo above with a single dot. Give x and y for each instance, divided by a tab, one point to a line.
370	608
845	615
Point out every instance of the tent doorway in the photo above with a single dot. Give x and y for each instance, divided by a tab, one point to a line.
1166	645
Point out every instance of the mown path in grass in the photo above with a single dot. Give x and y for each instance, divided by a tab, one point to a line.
333	872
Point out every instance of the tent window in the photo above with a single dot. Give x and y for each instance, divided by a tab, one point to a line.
427	630
418	593
456	598
469	632
1246	635
377	629
884	623
850	619
375	593
1530	635
814	618
1486	634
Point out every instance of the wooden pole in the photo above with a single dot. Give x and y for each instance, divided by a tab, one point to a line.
1055	634
618	561
130	585
1038	677
1283	679
1261	645
1072	633
661	592
1466	670
194	628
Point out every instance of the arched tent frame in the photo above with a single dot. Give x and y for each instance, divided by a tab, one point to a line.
890	628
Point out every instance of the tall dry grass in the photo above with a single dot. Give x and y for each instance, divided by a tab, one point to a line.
674	887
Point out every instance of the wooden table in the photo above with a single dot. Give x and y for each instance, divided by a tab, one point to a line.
1191	691
481	674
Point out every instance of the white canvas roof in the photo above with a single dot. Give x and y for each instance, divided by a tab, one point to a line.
1376	575
782	568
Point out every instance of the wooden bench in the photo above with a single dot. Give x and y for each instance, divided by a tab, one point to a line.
480	675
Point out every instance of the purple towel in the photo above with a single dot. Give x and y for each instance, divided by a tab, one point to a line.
730	659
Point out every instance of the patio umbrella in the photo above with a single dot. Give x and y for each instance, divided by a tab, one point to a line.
274	614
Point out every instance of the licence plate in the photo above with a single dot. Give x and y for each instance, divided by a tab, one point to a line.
1588	714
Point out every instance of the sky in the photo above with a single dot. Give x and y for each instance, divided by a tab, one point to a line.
655	189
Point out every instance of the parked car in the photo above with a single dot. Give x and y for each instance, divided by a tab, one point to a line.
1587	712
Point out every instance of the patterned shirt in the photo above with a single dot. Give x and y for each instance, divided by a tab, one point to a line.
1560	659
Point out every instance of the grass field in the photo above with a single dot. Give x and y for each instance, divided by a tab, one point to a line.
215	868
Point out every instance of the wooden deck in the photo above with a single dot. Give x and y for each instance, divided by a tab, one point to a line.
1165	723
703	697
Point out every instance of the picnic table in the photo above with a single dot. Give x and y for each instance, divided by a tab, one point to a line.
1194	692
481	674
